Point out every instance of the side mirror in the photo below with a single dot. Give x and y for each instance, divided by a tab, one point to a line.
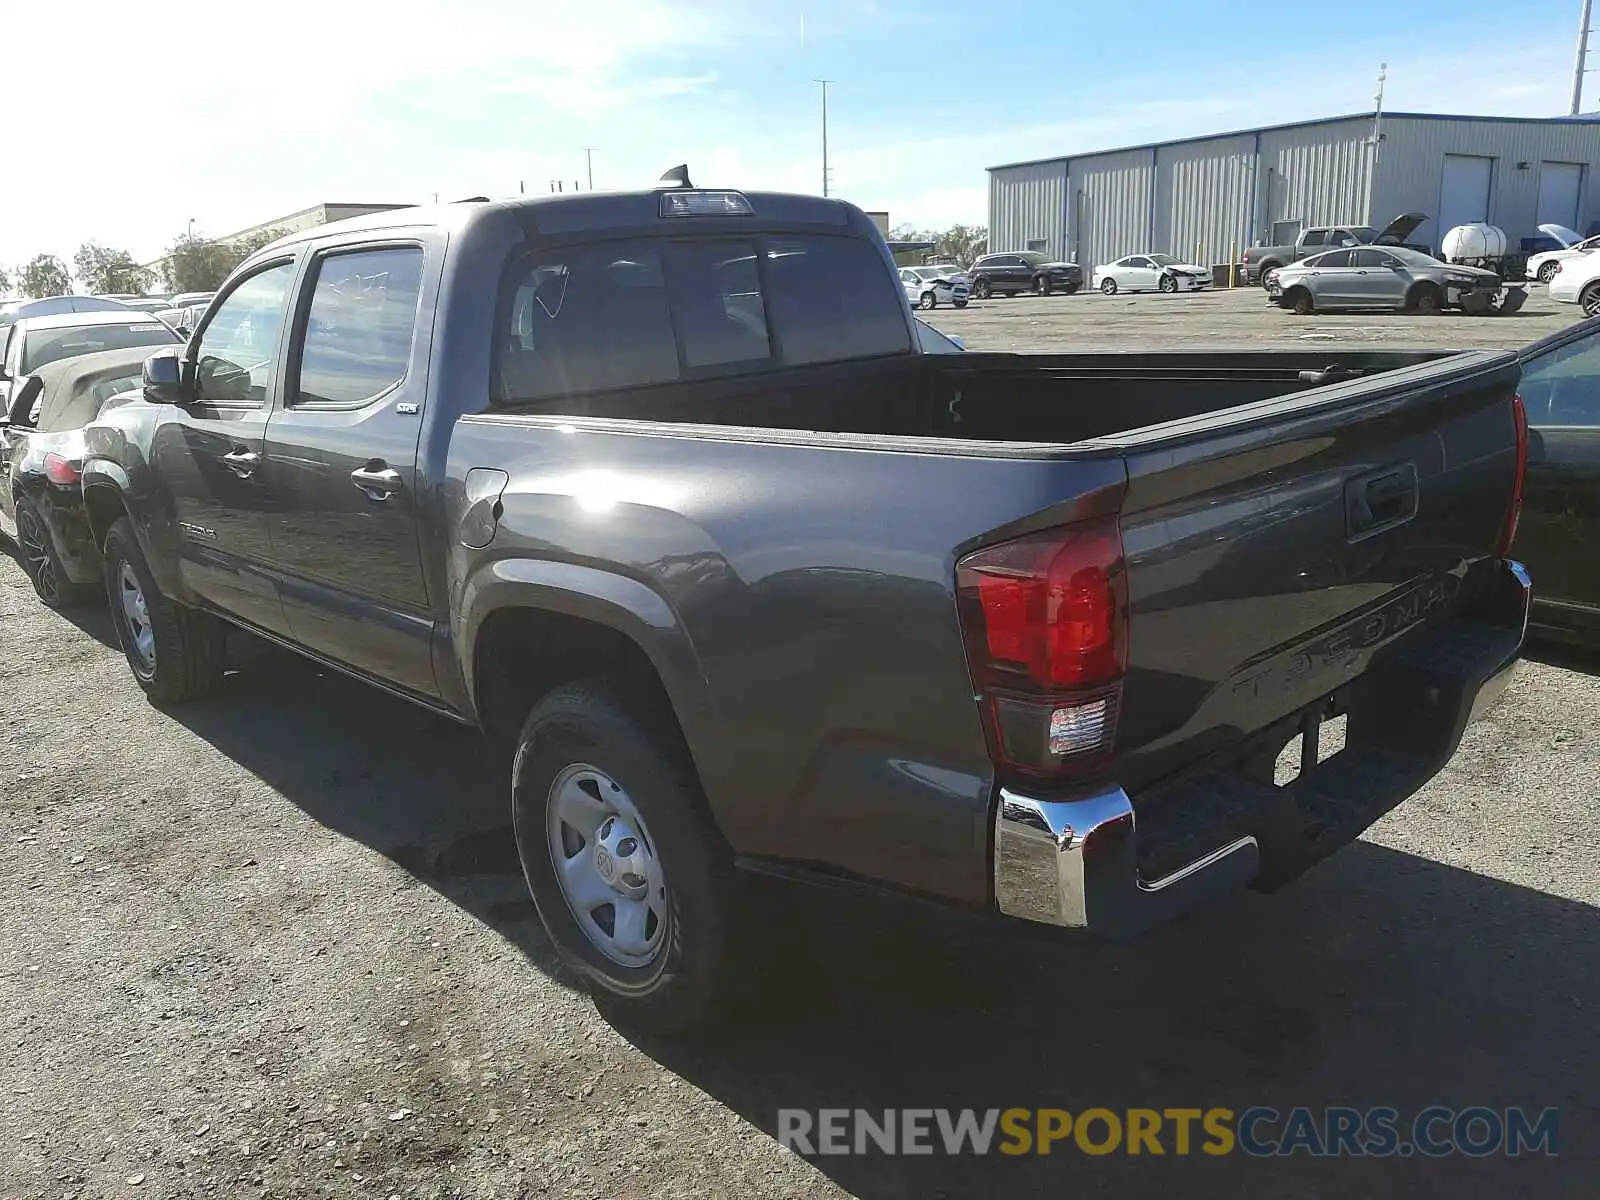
162	378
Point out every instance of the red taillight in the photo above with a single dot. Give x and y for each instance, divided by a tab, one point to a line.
61	470
1519	419
1045	620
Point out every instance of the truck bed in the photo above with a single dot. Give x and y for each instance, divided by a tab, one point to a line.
807	532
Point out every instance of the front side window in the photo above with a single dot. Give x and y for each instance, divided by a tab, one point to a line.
1371	258
1561	387
1138	260
237	355
359	325
1314	237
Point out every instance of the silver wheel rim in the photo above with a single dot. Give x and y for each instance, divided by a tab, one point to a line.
35	555
136	616
607	866
1590	303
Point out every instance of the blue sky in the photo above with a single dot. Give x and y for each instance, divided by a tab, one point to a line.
235	114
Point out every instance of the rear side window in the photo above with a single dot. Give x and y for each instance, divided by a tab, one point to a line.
830	300
359	325
627	314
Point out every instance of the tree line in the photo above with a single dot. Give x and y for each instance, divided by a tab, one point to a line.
962	243
191	264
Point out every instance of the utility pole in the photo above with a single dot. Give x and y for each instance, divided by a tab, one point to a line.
588	154
1579	67
826	174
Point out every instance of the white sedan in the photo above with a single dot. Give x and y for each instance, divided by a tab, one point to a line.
1543	266
928	287
1151	273
1577	281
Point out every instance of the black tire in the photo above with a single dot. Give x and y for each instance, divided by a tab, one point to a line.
1042	286
1589	300
1168	284
188	646
1300	302
928	302
1267	268
1108	286
1547	271
40	562
1072	289
959	303
598	723
980	289
1426	301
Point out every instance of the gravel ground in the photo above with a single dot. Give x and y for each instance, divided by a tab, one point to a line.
275	946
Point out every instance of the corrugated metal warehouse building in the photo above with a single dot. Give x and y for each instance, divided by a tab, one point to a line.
1205	198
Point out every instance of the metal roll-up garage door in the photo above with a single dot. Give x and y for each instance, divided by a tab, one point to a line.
1559	184
1464	198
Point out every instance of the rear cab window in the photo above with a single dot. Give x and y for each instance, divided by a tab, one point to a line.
632	313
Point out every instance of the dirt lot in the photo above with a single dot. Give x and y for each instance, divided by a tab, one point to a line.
1242	317
275	946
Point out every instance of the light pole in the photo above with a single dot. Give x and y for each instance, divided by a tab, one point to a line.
1583	53
190	236
588	154
825	173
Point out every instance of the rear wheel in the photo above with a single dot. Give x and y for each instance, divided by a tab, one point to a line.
1547	271
1299	302
634	884
1589	300
1168	284
1427	301
1267	268
39	560
1108	286
175	652
929	301
1042	285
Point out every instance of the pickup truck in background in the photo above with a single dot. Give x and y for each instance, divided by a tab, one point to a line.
659	491
1260	261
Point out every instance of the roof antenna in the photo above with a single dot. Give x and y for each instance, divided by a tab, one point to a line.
678	177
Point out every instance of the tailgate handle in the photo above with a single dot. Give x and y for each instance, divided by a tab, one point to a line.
1380	500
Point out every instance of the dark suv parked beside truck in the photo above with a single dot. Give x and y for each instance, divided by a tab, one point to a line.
1022	271
658	490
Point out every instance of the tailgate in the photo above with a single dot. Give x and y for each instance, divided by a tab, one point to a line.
1275	549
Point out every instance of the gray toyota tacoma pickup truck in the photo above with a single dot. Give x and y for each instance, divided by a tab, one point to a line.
658	490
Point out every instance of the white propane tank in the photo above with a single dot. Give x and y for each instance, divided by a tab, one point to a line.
1466	243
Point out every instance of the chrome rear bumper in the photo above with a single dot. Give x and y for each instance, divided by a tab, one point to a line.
1075	864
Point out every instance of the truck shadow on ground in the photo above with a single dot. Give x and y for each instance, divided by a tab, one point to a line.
1381	978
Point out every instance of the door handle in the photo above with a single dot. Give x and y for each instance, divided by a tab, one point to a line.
242	462
377	479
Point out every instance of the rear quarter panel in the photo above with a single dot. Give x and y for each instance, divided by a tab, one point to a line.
807	614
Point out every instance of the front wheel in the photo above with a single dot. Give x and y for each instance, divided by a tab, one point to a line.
1547	272
632	881
959	303
928	302
1042	286
1426	301
175	652
1300	302
1168	284
1108	287
39	560
980	290
1072	289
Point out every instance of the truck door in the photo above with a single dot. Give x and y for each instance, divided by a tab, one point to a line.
342	454
1561	502
207	454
